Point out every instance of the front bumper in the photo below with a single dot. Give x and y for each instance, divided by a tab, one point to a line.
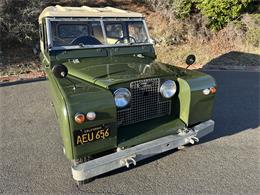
134	154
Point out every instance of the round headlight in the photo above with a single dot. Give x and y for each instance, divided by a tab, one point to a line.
122	97
168	89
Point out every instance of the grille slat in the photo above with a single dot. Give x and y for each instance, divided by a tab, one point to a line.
145	103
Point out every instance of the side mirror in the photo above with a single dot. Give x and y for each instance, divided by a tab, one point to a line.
190	59
60	71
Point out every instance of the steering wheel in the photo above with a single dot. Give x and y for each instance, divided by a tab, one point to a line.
126	37
85	40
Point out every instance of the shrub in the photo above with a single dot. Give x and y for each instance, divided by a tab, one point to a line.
181	8
252	22
157	5
177	8
220	12
19	19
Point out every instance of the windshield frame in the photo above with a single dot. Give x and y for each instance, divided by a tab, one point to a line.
101	20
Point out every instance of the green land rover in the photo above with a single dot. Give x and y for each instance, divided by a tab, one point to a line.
114	103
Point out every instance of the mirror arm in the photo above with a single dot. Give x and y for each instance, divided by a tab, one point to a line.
187	67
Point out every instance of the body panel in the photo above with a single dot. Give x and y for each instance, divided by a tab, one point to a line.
138	133
107	71
87	98
61	114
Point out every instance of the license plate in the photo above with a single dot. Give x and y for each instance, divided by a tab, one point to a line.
90	135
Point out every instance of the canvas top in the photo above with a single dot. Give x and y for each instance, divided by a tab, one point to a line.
85	11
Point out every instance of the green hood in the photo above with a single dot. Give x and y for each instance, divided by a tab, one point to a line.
106	72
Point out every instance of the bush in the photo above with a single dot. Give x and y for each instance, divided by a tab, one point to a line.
252	22
177	8
156	5
19	19
181	8
220	12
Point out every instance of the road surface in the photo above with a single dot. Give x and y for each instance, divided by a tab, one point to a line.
225	162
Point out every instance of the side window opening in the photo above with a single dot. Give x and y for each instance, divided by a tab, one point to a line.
44	35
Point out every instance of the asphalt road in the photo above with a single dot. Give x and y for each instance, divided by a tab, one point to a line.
225	162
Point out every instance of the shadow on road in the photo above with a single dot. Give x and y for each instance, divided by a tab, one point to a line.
237	104
234	59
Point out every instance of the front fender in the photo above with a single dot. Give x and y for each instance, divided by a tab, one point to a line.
86	97
61	111
195	107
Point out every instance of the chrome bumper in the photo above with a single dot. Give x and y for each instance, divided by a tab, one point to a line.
134	154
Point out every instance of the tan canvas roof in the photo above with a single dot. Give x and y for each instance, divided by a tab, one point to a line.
84	11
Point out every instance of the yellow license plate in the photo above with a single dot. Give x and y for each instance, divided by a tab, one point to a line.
92	134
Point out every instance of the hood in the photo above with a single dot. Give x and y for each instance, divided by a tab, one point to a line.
106	72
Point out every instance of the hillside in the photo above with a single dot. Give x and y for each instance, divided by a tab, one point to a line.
175	37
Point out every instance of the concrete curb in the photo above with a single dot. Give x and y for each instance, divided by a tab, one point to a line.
4	84
239	68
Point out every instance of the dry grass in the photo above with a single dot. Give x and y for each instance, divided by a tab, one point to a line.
243	38
176	39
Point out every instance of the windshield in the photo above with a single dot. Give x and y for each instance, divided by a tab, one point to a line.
89	33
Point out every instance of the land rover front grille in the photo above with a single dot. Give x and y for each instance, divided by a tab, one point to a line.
145	104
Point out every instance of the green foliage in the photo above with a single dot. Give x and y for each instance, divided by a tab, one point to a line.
19	21
253	33
253	37
181	8
177	8
220	12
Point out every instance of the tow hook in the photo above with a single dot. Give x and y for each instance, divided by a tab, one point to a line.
192	140
128	161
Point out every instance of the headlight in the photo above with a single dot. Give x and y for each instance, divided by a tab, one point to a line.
168	89
122	97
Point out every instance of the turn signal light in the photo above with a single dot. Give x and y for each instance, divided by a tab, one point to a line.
213	90
80	118
208	91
